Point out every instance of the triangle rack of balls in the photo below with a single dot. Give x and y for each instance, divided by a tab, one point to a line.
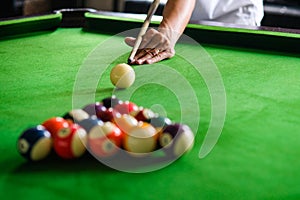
106	129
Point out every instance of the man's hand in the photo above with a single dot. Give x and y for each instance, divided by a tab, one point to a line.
155	46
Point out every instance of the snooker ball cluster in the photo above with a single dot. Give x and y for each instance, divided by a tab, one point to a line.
106	128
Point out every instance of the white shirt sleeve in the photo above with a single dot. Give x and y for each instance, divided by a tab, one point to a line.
247	12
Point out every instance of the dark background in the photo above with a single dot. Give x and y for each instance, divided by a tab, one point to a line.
278	13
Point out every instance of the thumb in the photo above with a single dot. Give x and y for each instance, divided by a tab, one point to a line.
130	41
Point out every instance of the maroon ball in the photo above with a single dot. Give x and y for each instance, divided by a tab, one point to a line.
103	113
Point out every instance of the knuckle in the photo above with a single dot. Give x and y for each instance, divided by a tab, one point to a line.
152	31
145	39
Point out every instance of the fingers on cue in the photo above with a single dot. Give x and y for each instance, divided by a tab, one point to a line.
141	53
153	56
160	56
153	48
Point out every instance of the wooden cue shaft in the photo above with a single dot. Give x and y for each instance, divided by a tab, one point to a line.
143	30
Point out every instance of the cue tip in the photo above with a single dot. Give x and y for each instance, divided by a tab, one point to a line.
129	61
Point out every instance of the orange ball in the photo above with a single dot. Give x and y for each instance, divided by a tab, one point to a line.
141	139
125	122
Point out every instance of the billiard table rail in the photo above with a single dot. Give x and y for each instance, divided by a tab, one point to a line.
262	38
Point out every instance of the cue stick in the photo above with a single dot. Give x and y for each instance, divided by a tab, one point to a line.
143	30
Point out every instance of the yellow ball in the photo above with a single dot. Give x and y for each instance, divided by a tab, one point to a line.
122	75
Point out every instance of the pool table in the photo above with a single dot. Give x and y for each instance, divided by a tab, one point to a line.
237	88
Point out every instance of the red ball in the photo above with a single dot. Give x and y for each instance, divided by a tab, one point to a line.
71	143
55	125
105	140
126	107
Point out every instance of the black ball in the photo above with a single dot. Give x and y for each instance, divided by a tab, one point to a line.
76	115
111	102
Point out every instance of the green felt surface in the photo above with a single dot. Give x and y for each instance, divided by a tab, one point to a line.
257	154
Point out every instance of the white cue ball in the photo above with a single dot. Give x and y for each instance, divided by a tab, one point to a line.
122	75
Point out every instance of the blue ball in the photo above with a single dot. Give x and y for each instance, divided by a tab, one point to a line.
35	143
90	123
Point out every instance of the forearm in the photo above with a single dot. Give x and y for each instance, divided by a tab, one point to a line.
176	15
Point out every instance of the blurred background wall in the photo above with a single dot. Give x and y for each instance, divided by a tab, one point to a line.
278	13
